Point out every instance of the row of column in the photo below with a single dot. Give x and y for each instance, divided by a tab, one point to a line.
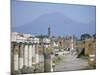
25	55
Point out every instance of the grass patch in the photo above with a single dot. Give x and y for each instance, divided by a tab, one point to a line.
84	57
57	59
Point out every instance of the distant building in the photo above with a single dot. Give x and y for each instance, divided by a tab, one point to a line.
25	50
49	32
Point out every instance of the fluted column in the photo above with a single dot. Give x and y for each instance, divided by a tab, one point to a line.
51	63
30	56
26	55
33	54
12	57
37	53
21	56
16	51
47	60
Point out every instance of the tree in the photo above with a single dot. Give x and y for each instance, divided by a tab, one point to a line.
41	36
94	36
85	36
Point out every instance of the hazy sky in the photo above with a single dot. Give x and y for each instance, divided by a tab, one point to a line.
25	12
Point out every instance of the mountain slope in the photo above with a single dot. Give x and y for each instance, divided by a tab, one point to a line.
59	23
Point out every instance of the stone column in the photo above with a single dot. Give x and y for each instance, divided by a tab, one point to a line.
37	53
87	42
12	56
51	63
21	56
30	56
47	60
33	55
16	51
26	55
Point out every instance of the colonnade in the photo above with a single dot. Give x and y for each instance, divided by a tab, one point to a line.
24	54
27	54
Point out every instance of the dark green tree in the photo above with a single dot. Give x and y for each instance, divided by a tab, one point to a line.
94	36
85	36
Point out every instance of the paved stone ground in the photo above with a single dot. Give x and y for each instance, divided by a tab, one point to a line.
70	63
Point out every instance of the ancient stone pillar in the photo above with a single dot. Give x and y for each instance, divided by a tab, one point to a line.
86	47
92	55
26	55
51	63
16	51
47	60
21	50
37	53
33	54
12	56
30	56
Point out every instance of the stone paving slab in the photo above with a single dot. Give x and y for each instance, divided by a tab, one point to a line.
70	63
